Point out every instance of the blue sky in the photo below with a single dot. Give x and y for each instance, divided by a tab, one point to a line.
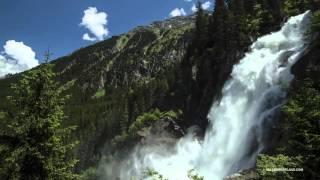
55	24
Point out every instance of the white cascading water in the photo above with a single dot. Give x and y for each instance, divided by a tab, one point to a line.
254	91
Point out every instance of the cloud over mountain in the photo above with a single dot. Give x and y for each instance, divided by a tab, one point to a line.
16	57
177	12
96	22
206	5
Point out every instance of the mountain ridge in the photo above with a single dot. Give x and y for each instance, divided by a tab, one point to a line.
135	61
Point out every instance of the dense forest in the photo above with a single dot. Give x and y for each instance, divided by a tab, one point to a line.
61	118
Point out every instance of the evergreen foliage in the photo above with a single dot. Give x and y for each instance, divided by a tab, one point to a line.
302	114
34	145
294	7
277	167
218	26
238	24
262	18
201	31
153	175
315	26
192	175
300	130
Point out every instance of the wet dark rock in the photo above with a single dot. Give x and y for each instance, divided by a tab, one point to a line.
164	131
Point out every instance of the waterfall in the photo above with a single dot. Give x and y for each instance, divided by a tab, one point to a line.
250	97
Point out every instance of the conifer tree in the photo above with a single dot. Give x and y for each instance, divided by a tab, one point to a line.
248	5
201	28
218	22
294	7
218	32
35	145
238	24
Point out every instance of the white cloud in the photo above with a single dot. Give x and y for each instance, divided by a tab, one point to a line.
188	0
177	12
16	57
87	37
194	8
204	6
96	23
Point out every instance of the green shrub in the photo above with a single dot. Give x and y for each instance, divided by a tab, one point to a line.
154	175
142	121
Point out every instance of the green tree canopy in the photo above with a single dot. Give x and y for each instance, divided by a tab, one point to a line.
34	144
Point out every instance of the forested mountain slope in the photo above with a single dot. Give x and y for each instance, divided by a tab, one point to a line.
114	81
